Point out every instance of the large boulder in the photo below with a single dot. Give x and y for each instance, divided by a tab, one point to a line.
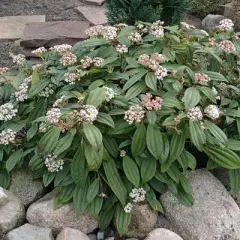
232	11
43	214
71	234
162	234
214	215
210	22
3	197
30	232
142	222
23	186
12	213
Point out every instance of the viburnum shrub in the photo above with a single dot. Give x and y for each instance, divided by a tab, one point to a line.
114	120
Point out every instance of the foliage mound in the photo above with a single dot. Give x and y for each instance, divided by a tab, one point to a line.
129	11
114	120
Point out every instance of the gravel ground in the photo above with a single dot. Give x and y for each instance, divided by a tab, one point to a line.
55	10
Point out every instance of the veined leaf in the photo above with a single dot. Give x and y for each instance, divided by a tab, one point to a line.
148	169
139	140
215	76
234	176
131	170
135	78
105	119
197	135
48	177
135	90
123	220
95	206
233	144
208	93
151	81
216	132
13	160
92	134
154	203
105	218
96	97
38	87
191	97
93	190
4	179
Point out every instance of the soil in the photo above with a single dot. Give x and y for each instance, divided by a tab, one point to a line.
55	10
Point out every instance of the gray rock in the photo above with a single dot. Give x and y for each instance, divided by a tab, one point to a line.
110	238
3	197
232	11
162	234
93	2
193	20
142	222
228	9
131	239
71	234
30	232
43	214
210	22
94	15
100	235
11	27
214	214
49	34
92	237
12	214
23	186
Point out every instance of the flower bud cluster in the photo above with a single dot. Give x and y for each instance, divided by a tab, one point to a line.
7	112
19	59
123	153
201	78
87	113
70	77
59	102
138	195
7	136
121	26
109	94
53	164
134	114
225	25
43	127
21	94
128	208
135	37
3	70
121	48
53	115
61	48
39	51
157	29
150	103
38	67
87	62
107	32
212	112
153	63
227	46
97	61
47	91
186	27
195	114
142	28
68	59
212	42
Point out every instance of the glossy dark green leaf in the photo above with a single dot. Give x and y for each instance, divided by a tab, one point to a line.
131	170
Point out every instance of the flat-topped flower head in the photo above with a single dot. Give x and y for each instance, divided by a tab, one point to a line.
135	37
53	115
212	112
134	114
61	48
70	77
22	92
68	59
225	25
39	51
150	103
7	112
3	70
121	48
53	164
138	195
186	27
157	29
86	62
128	208
98	62
109	94
195	114
227	46
201	78
19	59
7	136
87	113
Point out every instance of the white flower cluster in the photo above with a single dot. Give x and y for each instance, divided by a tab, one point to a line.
195	114
53	164
53	115
68	59
225	25
7	136
108	32
70	77
128	208
153	63
21	94
215	92
201	78
43	127
138	195
3	70
121	26
109	94
87	113
7	112
121	48
142	28
86	62
98	62
186	27
47	91
227	46
134	114
61	48
19	59
212	112
157	29
135	37
59	101
38	66
123	153
39	51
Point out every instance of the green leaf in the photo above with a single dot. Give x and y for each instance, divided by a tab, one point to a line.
105	119
35	77
96	97
95	206
172	102
78	166
105	218
92	134
64	143
93	156
93	190
234	176
80	198
135	78
152	117
185	184
32	131
123	220
151	81
233	144
48	177
215	76
139	140
157	185
148	169
13	160
191	97
115	181
131	170
38	87
169	53
154	203
231	112
4	179
111	145
155	142
135	90
216	132
197	135
49	141
186	159
184	197
61	175
208	93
